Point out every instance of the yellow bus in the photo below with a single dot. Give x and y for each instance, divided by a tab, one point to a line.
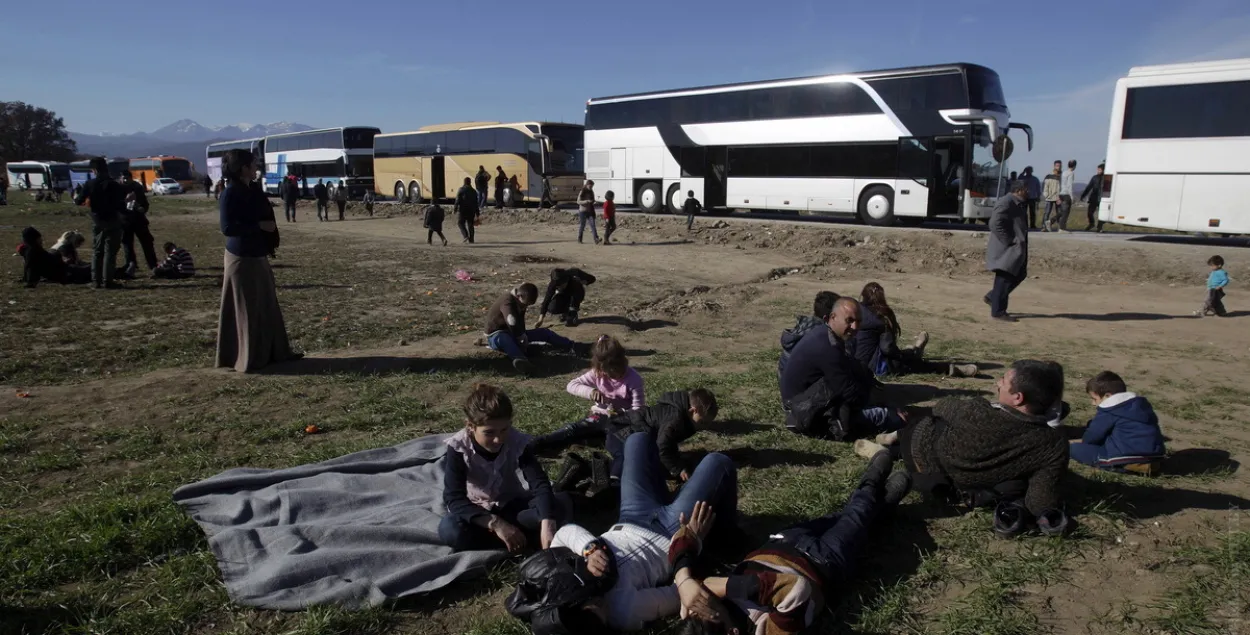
431	163
147	169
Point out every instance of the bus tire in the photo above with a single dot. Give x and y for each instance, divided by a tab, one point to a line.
674	198
876	206
414	193
649	200
510	199
401	196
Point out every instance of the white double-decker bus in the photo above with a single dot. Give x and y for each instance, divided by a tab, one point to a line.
338	157
1178	151
36	175
889	146
215	151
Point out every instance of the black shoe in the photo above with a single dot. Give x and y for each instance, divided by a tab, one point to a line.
897	487
573	470
986	299
1009	519
878	470
600	470
1052	522
570	318
1006	317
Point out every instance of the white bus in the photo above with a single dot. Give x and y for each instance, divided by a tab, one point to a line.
36	175
1178	152
214	151
338	157
888	146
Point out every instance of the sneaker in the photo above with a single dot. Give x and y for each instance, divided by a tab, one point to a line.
574	469
868	449
897	487
597	241
523	366
878	469
962	370
922	340
1006	317
1008	519
1052	522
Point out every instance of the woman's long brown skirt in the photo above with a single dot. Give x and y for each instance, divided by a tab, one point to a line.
250	333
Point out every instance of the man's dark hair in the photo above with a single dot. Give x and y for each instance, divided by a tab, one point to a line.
1102	166
702	400
1019	186
1215	261
1028	169
1040	382
1105	383
527	292
1072	163
168	247
468	181
823	306
101	167
236	162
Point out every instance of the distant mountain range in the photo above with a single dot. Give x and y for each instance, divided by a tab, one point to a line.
184	138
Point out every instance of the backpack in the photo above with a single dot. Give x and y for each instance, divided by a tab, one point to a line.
552	585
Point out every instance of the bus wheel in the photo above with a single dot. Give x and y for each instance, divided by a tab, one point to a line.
674	198
876	206
649	198
400	195
414	193
509	198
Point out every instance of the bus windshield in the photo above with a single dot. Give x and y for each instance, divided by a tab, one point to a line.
566	150
985	90
987	172
176	169
359	165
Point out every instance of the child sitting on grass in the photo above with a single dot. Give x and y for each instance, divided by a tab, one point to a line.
506	332
1216	282
677	416
178	264
1124	434
488	506
611	385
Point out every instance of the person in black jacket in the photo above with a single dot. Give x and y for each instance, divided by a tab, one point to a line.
825	390
433	222
876	342
691	207
565	294
1093	194
482	180
290	197
677	416
501	182
790	337
38	263
107	200
135	225
208	186
323	200
466	210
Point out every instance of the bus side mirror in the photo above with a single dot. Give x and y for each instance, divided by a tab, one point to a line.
1003	147
1028	132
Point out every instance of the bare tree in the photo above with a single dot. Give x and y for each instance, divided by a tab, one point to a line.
30	133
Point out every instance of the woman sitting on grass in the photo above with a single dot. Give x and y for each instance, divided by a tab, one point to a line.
876	342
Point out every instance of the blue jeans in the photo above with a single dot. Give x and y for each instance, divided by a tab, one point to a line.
644	490
462	535
831	542
883	419
1086	453
481	198
503	342
582	219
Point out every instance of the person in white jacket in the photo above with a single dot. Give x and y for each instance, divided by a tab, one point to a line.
638	545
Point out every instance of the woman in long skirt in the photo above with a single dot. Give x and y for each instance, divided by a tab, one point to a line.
250	333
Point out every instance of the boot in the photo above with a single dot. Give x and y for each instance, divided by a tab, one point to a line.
962	370
877	471
563	437
600	474
573	470
570	317
1009	519
897	487
922	340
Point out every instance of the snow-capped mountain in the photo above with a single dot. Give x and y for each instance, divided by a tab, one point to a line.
184	137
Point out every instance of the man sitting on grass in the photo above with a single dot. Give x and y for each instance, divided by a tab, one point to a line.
1124	434
506	332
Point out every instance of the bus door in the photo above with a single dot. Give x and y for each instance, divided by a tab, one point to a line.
916	172
715	175
948	164
438	178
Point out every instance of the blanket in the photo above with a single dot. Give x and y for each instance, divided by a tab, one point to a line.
354	531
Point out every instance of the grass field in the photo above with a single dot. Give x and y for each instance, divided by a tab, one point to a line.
124	409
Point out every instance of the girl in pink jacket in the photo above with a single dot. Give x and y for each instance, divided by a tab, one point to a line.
611	384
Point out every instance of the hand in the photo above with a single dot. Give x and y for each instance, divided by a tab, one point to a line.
684	476
701	519
548	533
696	600
512	537
596	396
597	563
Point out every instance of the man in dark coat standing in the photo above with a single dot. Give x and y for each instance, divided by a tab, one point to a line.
290	197
1007	254
466	210
107	200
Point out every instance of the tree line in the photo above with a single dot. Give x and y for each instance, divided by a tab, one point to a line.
30	133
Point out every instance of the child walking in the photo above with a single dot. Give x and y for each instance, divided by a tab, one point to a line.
611	385
677	416
434	222
1124	434
488	506
691	207
1216	282
609	216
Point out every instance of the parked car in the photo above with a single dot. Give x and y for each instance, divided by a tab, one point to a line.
166	186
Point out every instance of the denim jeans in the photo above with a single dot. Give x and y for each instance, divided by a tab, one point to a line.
462	535
1086	453
1051	207
289	206
481	198
832	542
883	419
505	343
644	491
582	219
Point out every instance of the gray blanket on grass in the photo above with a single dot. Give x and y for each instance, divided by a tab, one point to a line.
354	531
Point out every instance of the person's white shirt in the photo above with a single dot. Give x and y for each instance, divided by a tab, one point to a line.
641	563
1066	182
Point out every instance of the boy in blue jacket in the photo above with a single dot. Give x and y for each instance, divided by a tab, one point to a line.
1124	434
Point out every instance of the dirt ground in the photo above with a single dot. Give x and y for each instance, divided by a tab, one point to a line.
391	340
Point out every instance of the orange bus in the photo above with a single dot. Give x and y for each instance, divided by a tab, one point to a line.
147	169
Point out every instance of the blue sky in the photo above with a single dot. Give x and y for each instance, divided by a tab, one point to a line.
401	64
